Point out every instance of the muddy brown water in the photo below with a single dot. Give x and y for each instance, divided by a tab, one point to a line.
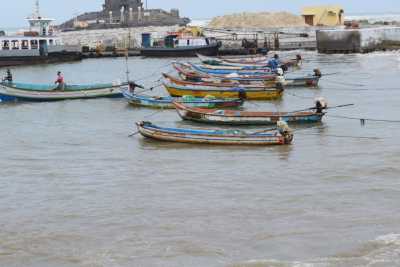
75	190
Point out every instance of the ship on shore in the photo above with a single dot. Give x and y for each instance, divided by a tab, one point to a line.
38	45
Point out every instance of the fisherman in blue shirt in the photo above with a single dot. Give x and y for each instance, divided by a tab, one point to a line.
274	63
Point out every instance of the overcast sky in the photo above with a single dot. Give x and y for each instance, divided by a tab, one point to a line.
14	12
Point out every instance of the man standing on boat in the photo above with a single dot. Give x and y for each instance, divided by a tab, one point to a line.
274	63
60	81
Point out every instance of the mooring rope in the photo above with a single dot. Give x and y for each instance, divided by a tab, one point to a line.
363	120
156	72
343	136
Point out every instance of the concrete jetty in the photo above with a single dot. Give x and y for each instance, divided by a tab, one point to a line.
358	40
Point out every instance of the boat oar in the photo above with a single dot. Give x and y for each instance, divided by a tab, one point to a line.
341	106
263	131
307	109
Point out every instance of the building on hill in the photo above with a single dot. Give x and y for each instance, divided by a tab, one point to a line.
323	15
125	13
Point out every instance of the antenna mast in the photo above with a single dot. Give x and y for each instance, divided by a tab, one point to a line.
37	9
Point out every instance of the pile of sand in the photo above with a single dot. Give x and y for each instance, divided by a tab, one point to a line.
258	20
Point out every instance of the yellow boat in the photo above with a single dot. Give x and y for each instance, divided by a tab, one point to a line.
238	92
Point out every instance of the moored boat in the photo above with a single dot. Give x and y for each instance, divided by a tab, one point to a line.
179	44
219	83
282	136
246	63
10	91
222	92
190	73
230	69
186	72
233	117
167	102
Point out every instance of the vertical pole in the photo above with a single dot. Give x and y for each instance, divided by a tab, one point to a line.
127	65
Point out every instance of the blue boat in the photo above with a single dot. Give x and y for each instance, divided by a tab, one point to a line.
217	70
167	102
282	136
238	117
11	91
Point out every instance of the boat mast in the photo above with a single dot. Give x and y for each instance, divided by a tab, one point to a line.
37	9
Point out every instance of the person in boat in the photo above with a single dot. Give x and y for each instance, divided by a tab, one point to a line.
317	73
320	105
132	86
60	81
274	63
8	77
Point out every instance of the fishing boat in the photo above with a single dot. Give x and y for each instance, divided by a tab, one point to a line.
264	93
306	81
167	102
230	69
219	83
237	117
282	136
248	60
245	63
10	91
186	72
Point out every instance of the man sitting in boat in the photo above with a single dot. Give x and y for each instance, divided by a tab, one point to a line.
274	63
8	77
60	81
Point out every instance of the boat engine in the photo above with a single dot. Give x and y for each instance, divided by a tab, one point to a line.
285	131
280	78
320	104
317	73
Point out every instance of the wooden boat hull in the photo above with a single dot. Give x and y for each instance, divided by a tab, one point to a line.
10	93
243	63
226	70
232	117
210	50
308	81
249	94
214	137
167	102
220	83
190	72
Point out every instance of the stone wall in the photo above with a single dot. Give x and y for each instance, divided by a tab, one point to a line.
122	37
357	40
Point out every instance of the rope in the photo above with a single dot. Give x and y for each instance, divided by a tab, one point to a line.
153	114
372	89
156	72
363	120
342	83
345	136
302	97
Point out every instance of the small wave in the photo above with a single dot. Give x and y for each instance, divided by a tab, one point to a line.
383	251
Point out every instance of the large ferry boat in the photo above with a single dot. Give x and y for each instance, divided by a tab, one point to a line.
37	45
